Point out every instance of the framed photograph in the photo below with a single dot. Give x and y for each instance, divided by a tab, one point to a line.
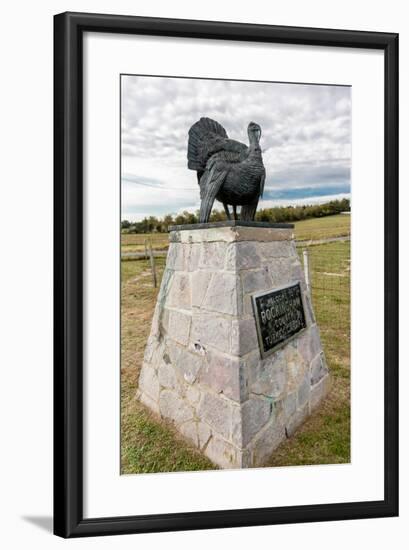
226	274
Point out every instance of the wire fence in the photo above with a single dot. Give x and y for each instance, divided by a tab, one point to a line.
327	268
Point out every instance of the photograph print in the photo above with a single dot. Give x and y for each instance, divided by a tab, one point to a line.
235	274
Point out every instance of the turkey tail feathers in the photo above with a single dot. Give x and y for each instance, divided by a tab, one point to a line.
203	136
210	185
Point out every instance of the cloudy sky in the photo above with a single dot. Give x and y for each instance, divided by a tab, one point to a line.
306	139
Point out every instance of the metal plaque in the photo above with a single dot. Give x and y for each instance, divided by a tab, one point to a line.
279	316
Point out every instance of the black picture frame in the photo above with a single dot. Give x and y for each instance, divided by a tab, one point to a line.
68	274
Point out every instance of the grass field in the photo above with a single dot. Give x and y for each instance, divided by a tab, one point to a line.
323	228
135	243
315	228
152	446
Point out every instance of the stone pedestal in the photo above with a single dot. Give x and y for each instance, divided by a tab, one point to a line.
203	368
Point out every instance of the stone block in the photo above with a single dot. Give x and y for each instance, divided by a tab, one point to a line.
224	374
193	395
150	348
180	291
160	322
207	235
277	249
163	320
303	394
263	234
244	458
318	369
308	309
269	376
148	382
243	336
204	434
231	234
308	343
290	404
164	288
167	376
222	293
249	419
179	326
148	402
296	420
156	328
242	255
281	271
189	365
174	237
297	273
192	256
210	329
200	282
157	354
172	406
230	261
189	237
221	452
212	256
189	430
217	412
171	352
256	280
268	439
297	366
320	391
185	363
218	234
176	256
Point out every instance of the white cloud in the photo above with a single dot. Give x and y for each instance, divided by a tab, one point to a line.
306	137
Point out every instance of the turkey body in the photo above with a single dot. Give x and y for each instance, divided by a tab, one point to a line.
242	183
227	170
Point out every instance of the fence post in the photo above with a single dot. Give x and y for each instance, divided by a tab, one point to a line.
153	267
306	269
146	248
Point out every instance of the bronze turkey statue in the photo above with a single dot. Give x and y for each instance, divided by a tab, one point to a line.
227	170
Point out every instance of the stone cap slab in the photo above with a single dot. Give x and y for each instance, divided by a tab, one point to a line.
233	231
230	223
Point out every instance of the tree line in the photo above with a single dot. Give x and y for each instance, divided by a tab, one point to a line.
277	214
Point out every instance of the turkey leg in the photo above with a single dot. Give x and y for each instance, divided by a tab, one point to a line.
248	211
226	209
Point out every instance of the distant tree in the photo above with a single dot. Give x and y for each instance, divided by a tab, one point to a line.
218	216
167	221
190	217
277	214
295	213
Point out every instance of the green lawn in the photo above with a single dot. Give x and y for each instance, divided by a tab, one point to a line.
323	228
152	446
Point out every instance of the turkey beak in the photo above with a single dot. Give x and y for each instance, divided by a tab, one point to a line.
258	134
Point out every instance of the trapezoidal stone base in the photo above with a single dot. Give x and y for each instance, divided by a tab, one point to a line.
202	367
